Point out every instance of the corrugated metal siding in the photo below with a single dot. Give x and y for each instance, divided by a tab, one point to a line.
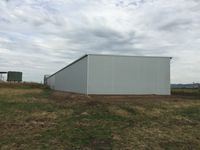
14	76
103	74
128	75
51	82
72	78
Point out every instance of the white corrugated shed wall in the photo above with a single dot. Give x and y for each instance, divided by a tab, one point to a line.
72	78
108	74
128	75
51	82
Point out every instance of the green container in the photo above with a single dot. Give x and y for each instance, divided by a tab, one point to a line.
14	76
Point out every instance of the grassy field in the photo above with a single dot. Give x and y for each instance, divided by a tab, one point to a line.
34	117
187	92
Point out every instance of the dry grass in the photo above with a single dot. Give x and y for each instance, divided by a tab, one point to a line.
18	92
34	117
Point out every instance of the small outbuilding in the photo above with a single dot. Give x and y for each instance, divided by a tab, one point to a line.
14	76
114	75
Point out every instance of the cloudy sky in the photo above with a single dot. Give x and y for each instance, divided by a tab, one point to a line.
39	37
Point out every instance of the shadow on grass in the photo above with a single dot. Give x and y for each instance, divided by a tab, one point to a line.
192	112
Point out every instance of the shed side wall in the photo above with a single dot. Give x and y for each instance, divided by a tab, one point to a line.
128	75
51	82
72	78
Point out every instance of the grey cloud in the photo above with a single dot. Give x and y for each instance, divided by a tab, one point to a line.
39	37
176	25
135	3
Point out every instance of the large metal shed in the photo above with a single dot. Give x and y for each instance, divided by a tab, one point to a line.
114	75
